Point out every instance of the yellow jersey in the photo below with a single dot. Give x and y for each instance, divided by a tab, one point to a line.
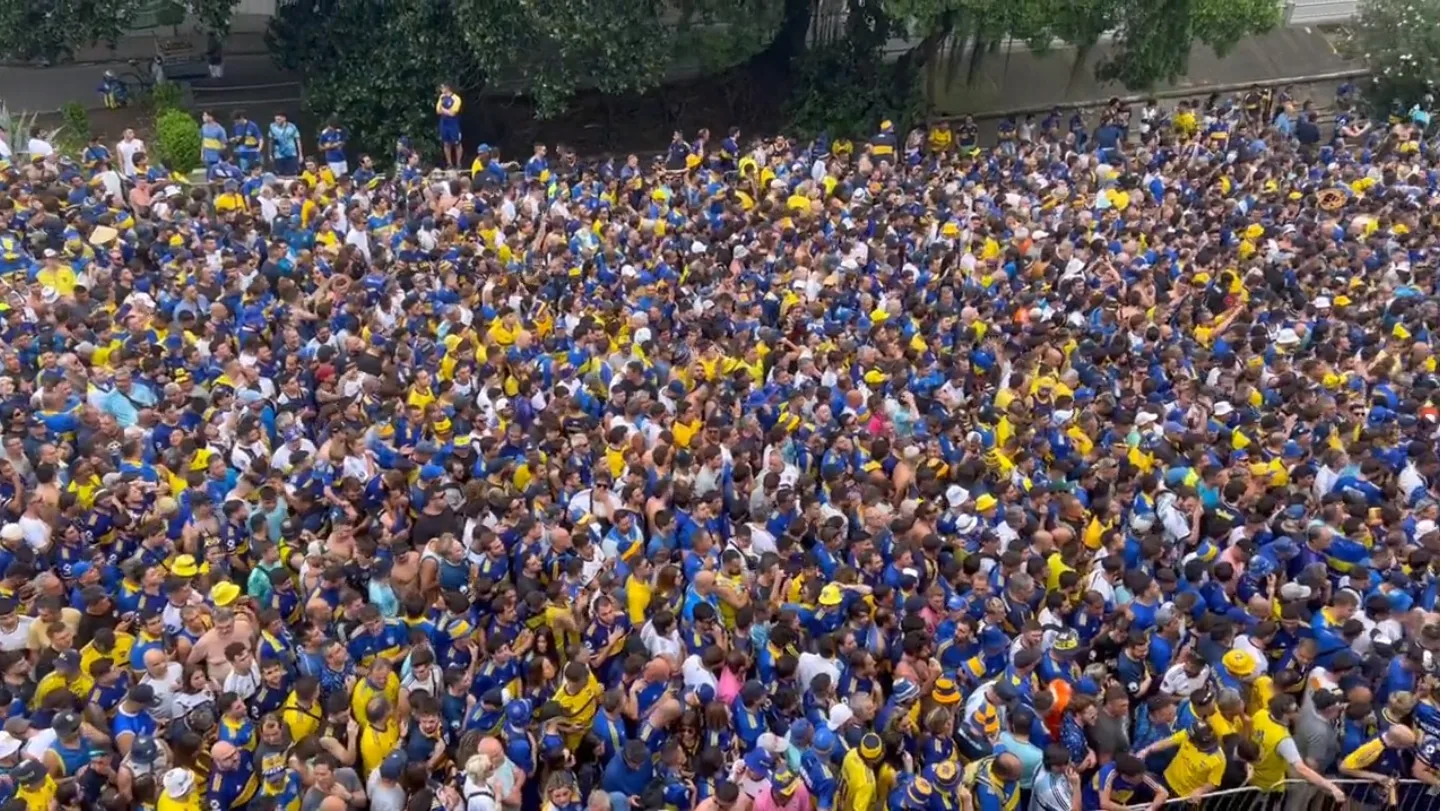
580	707
190	802
300	721
39	798
857	788
364	691
375	744
55	680
1192	768
1271	768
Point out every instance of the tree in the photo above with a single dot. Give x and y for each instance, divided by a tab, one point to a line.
374	65
1154	37
549	48
52	30
1150	39
1398	40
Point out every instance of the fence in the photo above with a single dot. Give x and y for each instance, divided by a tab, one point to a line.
1362	795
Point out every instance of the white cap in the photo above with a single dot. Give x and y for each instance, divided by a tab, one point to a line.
1287	337
840	716
1145	418
1295	591
12	532
642	335
956	495
178	782
1425	527
1321	303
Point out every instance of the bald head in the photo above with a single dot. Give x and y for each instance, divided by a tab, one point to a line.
491	748
1400	736
332	803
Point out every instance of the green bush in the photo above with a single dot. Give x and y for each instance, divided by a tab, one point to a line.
77	120
165	96
177	140
1397	38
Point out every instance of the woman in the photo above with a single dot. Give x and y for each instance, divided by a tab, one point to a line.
476	788
561	793
195	690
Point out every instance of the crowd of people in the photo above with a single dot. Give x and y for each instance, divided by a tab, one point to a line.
1096	468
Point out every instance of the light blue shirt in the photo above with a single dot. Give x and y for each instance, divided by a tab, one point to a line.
1029	755
126	409
285	141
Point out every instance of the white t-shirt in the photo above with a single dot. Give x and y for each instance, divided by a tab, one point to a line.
40	743
127	150
165	689
18	638
696	675
478	798
1176	682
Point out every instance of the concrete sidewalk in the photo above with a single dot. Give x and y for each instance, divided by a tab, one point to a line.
1022	80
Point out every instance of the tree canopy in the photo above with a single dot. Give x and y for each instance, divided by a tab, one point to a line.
1398	39
53	30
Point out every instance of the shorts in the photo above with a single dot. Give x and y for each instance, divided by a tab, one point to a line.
449	130
287	167
338	168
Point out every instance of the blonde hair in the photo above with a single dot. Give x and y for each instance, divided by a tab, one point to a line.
479	767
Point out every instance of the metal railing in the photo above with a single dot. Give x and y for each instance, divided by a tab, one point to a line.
1299	795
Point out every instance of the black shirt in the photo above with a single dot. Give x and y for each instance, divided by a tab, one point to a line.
428	526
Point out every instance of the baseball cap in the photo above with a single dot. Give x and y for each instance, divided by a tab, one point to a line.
393	767
30	771
65	723
9	744
143	750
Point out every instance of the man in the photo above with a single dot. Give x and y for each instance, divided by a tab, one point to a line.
1057	786
1198	766
996	781
286	151
980	725
1382	761
232	779
1279	754
857	790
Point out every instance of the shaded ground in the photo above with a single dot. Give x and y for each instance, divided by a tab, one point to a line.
748	96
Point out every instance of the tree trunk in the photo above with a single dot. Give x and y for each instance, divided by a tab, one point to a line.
790	38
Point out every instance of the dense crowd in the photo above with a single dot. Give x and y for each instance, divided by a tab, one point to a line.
1091	469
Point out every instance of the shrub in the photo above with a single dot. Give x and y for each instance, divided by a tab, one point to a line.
77	120
177	140
165	96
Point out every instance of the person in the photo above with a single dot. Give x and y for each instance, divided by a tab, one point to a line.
246	140
856	787
286	150
447	109
332	146
1057	786
852	460
1271	730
